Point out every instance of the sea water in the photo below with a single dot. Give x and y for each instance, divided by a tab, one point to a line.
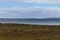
32	21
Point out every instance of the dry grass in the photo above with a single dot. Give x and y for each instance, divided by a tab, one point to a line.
29	32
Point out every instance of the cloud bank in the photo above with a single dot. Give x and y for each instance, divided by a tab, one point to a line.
33	1
30	12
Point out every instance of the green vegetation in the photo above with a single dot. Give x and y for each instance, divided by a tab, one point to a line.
29	32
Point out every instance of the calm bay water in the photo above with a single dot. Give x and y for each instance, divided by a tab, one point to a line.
49	21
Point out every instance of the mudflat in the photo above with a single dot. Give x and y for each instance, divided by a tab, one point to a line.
29	32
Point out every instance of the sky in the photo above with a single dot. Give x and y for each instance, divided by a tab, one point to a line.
29	8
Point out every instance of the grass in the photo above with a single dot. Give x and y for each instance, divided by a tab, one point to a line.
29	32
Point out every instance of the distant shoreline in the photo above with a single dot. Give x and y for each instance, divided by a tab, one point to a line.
33	24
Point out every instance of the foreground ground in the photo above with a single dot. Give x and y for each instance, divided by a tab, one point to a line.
29	32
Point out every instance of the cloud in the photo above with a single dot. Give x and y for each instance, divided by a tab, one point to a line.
33	1
41	1
43	12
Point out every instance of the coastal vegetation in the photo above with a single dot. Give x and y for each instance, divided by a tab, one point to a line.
29	32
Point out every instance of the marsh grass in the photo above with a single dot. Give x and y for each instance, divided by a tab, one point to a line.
29	32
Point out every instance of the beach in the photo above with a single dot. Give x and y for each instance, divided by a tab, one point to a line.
29	32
